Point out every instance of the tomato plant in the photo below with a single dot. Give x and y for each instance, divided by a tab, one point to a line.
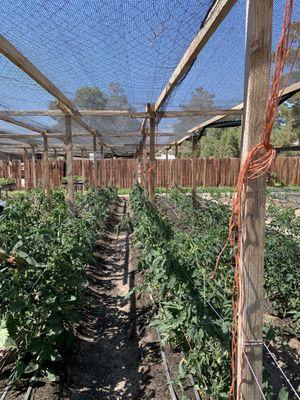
194	312
43	255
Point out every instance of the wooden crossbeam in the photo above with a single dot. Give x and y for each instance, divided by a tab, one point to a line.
17	58
59	135
103	113
289	90
217	14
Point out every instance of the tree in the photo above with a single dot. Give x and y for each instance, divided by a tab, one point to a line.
88	97
200	100
117	100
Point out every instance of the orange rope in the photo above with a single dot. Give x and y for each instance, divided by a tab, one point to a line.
256	164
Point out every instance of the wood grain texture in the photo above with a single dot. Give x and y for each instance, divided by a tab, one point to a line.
257	78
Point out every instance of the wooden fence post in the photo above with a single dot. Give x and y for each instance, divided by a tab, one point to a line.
194	148
33	158
46	166
95	169
82	169
152	165
25	159
69	171
257	71
167	170
9	175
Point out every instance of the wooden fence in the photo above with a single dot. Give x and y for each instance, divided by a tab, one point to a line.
124	172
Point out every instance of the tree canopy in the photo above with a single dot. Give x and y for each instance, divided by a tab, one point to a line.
95	98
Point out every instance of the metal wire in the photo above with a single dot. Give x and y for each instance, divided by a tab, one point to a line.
282	372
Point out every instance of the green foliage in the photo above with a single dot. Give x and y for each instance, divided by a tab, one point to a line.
93	97
200	99
44	254
177	269
221	143
7	181
76	179
194	311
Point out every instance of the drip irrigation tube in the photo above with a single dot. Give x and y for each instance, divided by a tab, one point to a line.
30	387
28	391
167	370
6	390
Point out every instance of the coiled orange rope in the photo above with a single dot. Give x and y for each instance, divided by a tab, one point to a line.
256	164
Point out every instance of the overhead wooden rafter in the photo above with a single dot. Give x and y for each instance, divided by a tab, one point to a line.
288	91
17	58
106	113
216	15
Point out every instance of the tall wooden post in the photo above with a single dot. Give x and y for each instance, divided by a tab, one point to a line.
9	174
82	169
25	158
69	172
194	148
33	158
257	71
152	165
95	169
176	172
46	166
167	171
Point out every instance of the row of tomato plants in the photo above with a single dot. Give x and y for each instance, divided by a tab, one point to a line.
43	254
194	311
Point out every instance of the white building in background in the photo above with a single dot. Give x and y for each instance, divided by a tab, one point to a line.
163	156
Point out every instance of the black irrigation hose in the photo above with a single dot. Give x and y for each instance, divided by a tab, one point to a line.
6	390
167	370
28	391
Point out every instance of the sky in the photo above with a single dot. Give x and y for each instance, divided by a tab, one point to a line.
137	43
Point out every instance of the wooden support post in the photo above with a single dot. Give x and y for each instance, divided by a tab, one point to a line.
257	72
102	152
33	158
69	172
176	150
25	158
176	167
95	169
151	172
82	169
194	148
46	171
167	171
9	175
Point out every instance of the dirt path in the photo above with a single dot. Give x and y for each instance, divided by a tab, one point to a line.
116	357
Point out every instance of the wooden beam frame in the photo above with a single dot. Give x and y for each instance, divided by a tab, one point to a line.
101	113
291	89
46	174
217	14
69	164
33	158
251	262
17	58
151	172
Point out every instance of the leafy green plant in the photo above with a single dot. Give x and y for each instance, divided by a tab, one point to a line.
76	179
42	279
194	312
7	181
